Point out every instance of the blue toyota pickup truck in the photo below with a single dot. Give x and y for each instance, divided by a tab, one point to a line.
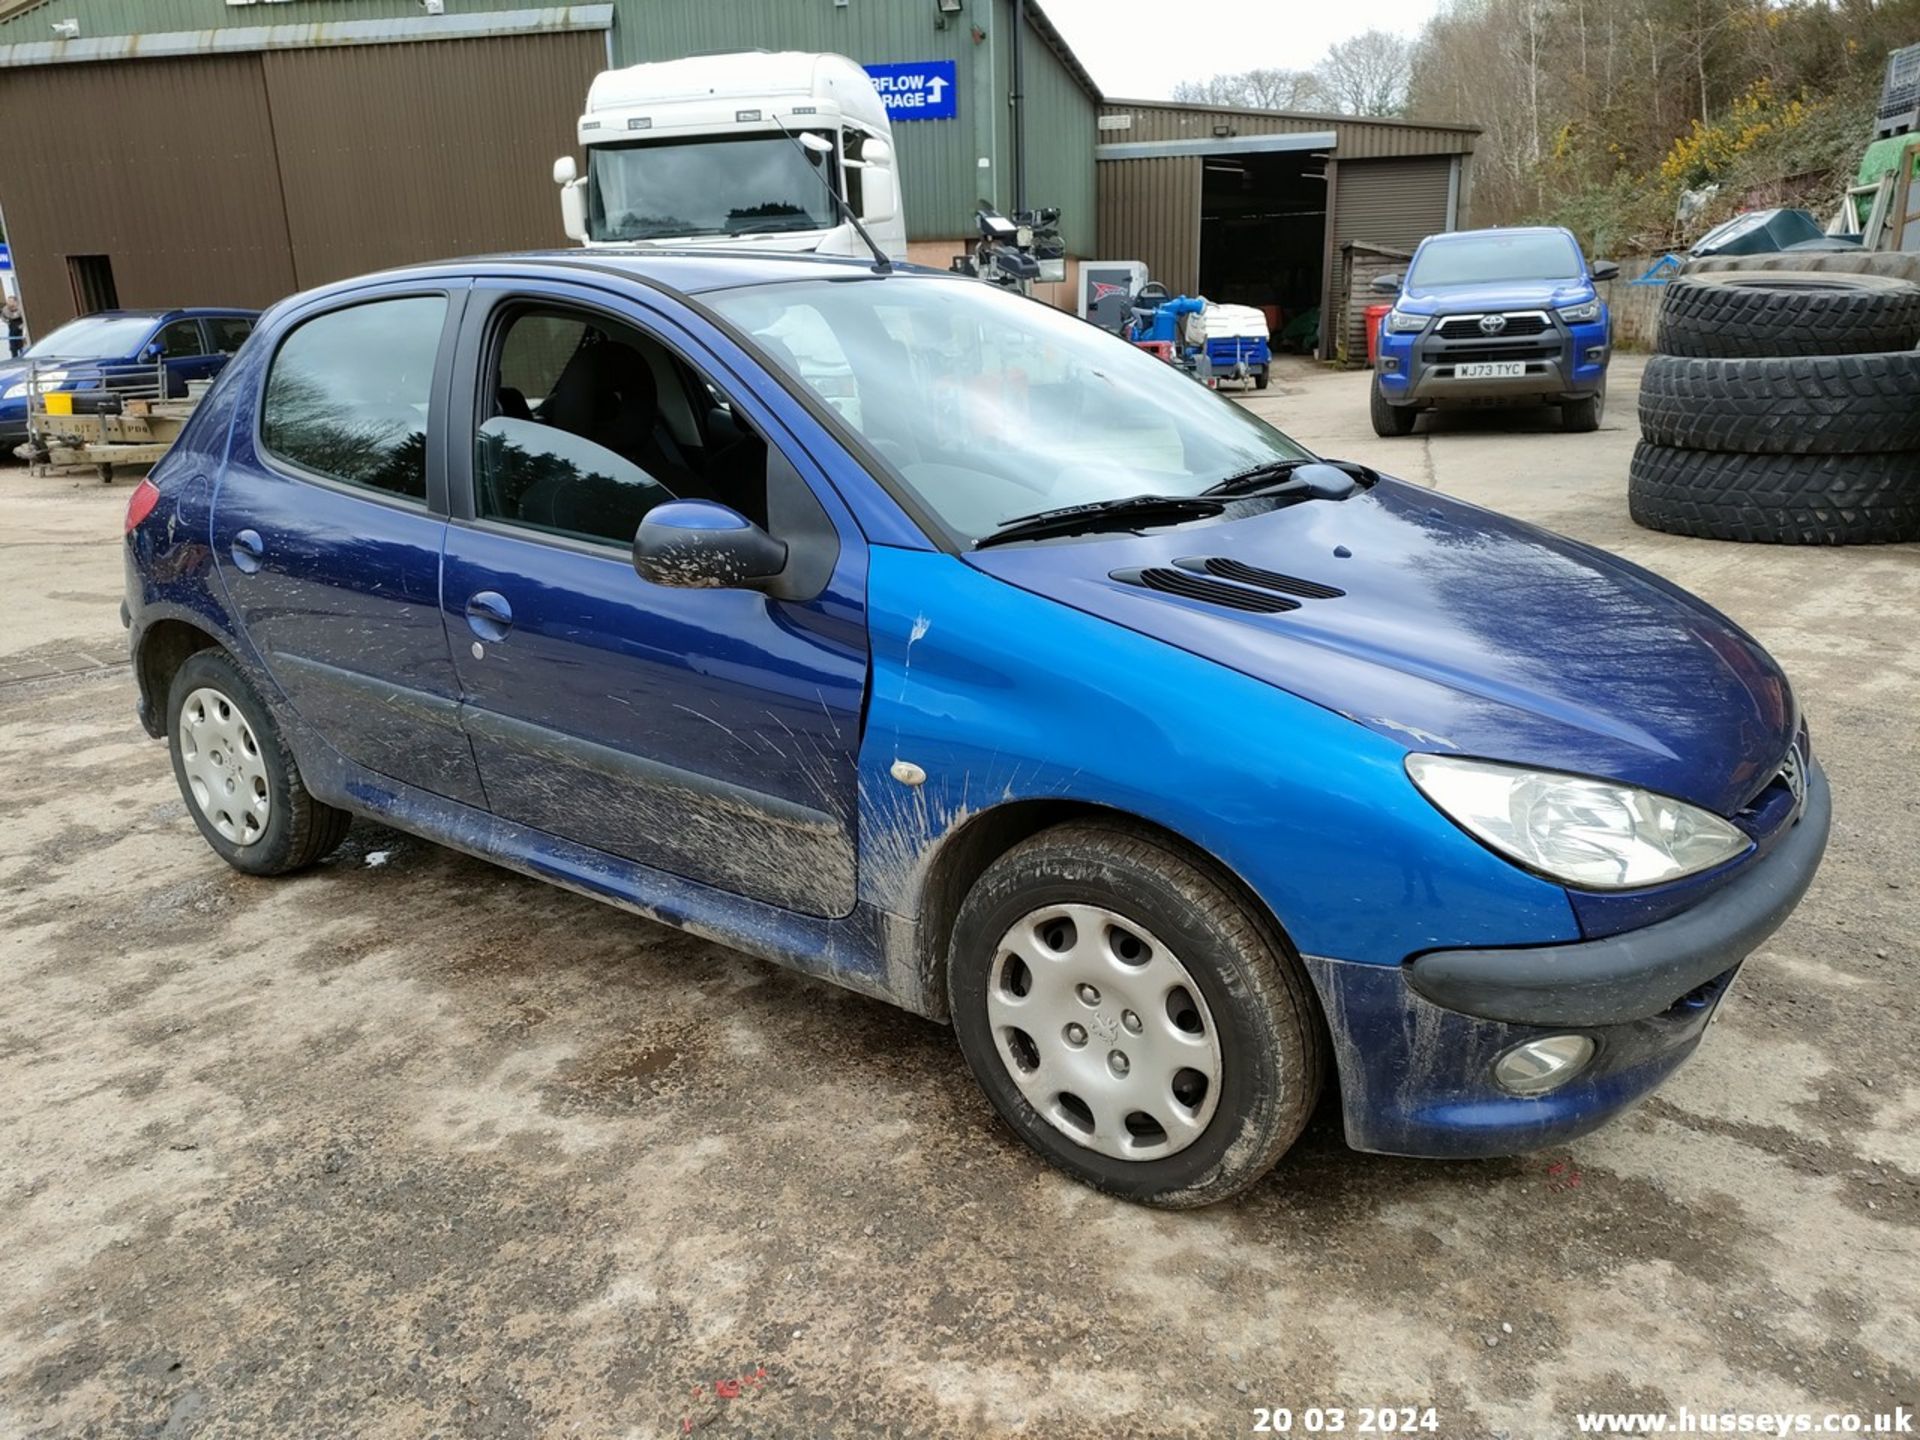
1494	318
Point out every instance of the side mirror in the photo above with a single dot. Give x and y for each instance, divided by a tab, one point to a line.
879	194
703	545
1389	283
573	197
1606	270
152	352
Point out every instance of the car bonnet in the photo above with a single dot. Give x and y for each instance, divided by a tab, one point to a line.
1450	629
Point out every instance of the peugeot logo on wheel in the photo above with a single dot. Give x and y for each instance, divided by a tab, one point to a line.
1492	324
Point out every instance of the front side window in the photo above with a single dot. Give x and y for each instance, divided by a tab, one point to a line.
589	423
347	394
1490	259
180	340
739	185
990	406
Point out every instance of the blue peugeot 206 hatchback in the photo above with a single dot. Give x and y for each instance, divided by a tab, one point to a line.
916	635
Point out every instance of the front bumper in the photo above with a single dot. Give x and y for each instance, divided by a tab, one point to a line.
1416	1043
1563	362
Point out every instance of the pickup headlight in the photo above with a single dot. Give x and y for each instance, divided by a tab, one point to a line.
1585	313
1588	833
1401	323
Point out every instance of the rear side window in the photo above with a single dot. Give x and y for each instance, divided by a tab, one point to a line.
347	394
229	332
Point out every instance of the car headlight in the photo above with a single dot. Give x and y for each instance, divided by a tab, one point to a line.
1585	313
14	392
43	381
1588	833
1399	322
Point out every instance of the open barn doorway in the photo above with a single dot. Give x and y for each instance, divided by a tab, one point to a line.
1263	225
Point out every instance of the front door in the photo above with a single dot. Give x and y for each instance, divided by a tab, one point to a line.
184	355
327	531
708	733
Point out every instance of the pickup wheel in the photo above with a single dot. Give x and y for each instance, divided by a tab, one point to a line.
1390	419
240	781
1776	499
1131	1017
1578	417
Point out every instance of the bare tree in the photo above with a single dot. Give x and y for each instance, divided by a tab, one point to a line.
1369	74
1264	89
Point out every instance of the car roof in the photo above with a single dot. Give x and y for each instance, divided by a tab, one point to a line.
689	272
188	312
1559	230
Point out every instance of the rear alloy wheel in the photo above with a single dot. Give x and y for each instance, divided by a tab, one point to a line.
240	781
1131	1017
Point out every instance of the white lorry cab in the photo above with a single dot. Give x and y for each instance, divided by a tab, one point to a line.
732	150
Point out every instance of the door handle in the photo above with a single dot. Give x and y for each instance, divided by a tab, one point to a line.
248	551
489	615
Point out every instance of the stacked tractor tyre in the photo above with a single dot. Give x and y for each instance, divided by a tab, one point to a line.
1784	406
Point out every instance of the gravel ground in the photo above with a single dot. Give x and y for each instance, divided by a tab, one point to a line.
412	1146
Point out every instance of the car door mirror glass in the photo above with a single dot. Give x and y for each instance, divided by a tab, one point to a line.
700	544
551	479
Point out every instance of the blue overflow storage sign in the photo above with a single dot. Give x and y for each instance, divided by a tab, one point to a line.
917	90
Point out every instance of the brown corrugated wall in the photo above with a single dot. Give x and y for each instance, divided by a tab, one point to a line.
1150	210
391	154
236	180
165	166
1397	203
1358	138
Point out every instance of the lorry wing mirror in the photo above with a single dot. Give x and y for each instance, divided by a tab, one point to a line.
1388	284
879	185
573	197
1606	270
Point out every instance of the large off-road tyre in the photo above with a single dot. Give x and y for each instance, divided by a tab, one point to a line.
1733	313
1799	405
1777	499
239	779
1132	1016
1390	419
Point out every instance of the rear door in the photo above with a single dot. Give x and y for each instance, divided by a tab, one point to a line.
709	733
328	524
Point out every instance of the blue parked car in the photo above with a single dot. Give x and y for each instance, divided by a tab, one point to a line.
118	348
1494	318
922	638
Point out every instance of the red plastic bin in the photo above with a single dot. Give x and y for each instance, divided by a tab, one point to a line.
1375	314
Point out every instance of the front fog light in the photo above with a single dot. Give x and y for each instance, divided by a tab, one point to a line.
1537	1066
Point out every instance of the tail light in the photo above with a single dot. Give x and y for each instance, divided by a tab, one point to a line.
140	503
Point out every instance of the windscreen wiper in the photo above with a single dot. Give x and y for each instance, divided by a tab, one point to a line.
1303	479
1120	513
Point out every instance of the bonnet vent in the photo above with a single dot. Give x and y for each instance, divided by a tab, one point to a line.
1266	579
1208	591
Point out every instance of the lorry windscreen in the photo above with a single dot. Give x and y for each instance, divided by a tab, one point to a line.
731	185
1489	259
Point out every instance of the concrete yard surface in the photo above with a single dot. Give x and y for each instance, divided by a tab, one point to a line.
412	1146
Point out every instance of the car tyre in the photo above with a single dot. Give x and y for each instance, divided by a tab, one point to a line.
1390	419
1733	313
238	777
1776	499
1799	405
1204	962
1580	417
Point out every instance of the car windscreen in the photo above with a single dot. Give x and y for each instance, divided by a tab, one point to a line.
96	337
1489	259
737	185
990	406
